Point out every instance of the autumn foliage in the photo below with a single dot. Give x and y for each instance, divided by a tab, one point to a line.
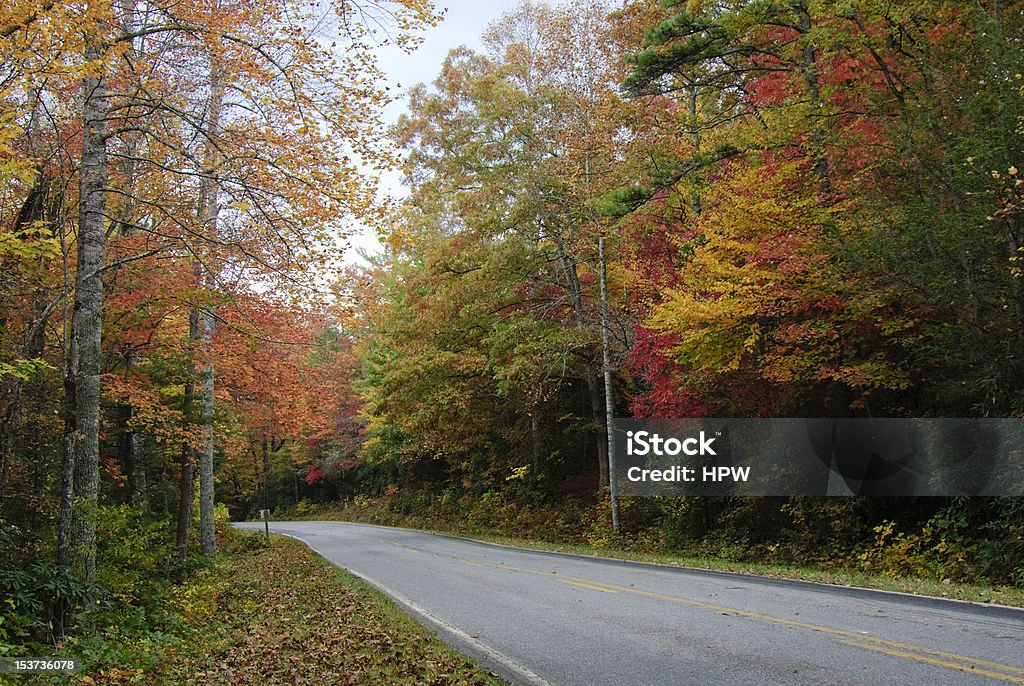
810	209
804	208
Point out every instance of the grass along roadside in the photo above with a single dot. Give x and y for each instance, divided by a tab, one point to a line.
619	549
1013	597
282	615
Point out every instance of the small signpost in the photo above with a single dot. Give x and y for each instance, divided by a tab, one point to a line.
265	516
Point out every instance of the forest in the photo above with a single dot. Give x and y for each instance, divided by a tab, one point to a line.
693	208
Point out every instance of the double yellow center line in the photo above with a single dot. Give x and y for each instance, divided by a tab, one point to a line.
938	658
930	656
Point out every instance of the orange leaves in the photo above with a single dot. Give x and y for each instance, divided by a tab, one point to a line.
151	414
753	297
262	355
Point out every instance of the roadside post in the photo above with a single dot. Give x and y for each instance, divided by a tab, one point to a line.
265	516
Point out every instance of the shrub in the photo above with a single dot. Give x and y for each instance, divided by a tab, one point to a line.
136	555
43	602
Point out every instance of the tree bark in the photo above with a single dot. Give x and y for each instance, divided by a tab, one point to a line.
186	491
210	209
594	392
67	472
138	483
131	456
207	532
82	446
265	451
609	398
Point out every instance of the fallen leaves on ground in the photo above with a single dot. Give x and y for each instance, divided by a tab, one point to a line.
287	618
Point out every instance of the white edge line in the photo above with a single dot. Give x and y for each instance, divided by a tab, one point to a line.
522	674
683	568
969	604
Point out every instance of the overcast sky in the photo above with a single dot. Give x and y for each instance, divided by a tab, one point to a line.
464	22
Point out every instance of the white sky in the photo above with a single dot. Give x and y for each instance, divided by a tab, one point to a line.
464	23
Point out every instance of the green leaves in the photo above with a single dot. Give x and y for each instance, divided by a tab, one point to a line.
26	370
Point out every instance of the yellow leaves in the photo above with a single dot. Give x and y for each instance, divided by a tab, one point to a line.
519	473
151	413
26	370
891	326
748	270
12	165
29	245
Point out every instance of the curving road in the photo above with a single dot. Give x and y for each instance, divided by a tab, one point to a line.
548	618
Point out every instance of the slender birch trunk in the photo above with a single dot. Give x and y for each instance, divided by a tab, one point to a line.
609	398
210	209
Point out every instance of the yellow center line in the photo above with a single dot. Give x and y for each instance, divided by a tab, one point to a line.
600	585
970	669
880	644
951	656
592	587
907	651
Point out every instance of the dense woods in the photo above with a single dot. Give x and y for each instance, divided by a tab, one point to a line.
178	182
807	209
736	208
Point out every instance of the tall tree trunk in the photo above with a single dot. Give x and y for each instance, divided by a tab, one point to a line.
257	472
609	398
266	474
67	472
131	454
138	484
131	441
207	533
210	209
186	491
130	446
597	410
87	323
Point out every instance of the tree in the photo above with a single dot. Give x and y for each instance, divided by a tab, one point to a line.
832	113
510	150
277	163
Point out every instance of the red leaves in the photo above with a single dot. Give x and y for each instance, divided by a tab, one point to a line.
315	475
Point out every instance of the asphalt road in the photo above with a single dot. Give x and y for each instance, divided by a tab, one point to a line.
547	618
